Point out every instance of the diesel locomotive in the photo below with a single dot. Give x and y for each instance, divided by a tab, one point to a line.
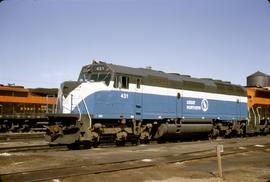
140	104
258	90
24	110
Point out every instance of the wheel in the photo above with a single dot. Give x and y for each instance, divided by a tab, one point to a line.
135	142
96	144
120	143
87	145
74	146
161	141
144	141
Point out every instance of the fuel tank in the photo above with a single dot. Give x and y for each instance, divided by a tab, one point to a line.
184	129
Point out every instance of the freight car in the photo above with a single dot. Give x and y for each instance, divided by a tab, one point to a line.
23	109
122	103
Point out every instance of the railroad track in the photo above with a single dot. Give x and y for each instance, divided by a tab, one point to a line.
21	136
26	147
31	148
120	165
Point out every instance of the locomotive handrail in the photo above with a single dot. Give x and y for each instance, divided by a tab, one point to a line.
77	105
80	118
258	112
90	119
255	117
249	116
64	107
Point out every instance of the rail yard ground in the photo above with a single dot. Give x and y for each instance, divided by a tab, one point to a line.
243	159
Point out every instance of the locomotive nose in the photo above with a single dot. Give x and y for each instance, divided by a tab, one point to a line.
65	89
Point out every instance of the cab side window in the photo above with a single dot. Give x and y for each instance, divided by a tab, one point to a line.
138	83
115	85
121	82
125	82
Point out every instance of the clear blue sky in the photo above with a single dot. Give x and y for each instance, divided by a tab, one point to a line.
45	42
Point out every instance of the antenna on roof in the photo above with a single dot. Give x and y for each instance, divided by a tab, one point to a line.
94	61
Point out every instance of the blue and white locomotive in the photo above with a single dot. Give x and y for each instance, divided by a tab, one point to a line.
123	102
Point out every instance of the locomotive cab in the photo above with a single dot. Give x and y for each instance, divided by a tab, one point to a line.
100	98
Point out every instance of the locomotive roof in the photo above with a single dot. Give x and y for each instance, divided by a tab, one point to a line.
178	79
143	72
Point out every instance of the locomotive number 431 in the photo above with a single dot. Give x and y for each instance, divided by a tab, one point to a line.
124	95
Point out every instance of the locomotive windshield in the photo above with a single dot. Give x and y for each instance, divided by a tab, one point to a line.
98	77
96	74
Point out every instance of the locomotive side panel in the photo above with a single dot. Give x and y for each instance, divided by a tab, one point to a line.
114	104
214	106
159	103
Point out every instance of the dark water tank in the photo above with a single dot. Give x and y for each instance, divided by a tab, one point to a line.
258	79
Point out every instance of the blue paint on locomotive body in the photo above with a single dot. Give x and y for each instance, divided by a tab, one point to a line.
142	106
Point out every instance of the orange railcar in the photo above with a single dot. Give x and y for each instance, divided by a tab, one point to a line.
21	107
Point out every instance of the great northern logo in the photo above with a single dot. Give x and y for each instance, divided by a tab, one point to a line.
204	105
